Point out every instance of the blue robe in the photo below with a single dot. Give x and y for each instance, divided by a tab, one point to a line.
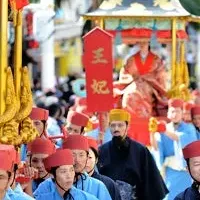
90	185
23	152
189	194
177	180
54	195
133	168
17	194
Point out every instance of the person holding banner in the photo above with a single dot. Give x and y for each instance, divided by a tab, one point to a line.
129	163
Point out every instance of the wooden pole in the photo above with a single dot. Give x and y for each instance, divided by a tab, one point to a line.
174	75
18	57
3	51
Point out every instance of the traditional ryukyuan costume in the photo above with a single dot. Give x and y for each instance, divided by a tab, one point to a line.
142	95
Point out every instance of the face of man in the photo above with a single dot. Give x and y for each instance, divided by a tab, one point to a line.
175	114
39	126
37	163
65	176
80	159
196	120
194	164
73	129
118	128
91	161
4	181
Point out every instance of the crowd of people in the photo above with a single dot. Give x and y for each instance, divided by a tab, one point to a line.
79	155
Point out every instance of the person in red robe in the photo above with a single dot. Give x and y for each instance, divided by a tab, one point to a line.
141	83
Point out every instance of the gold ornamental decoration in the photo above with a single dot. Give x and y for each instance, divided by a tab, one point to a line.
10	100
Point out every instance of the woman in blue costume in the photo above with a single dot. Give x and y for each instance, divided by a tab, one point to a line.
192	156
60	165
177	135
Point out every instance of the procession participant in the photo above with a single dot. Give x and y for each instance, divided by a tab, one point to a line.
76	122
60	186
90	168
129	163
170	143
196	119
8	158
187	107
191	154
144	78
15	188
79	146
39	117
40	149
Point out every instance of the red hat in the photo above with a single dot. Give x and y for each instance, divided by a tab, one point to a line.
7	163
14	155
39	114
77	118
59	158
43	146
92	143
8	157
192	150
176	103
188	106
195	110
74	142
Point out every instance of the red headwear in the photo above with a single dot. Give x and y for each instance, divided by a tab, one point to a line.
188	106
14	155
195	110
77	118
192	150
59	158
39	114
42	146
8	156
76	142
176	103
92	143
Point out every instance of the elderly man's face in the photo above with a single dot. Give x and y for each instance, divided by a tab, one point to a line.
118	128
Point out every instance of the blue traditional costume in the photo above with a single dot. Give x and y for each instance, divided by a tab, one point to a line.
170	154
48	189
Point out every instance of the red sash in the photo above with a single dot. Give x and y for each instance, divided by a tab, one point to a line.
144	68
